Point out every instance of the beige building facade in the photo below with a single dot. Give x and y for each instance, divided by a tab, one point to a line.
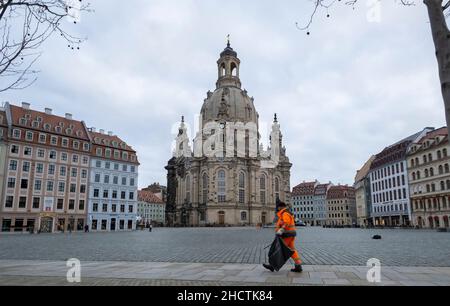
429	176
46	175
341	206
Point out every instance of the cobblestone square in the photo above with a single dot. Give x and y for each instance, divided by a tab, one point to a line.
318	246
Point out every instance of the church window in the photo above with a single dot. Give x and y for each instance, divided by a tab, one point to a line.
243	215
277	188
262	187
205	188
188	188
241	187
221	184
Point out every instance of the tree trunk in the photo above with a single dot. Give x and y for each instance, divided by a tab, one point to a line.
441	38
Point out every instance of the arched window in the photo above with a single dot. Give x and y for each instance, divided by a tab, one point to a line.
424	159
412	162
262	189
428	188
444	152
221	186
431	172
417	161
448	184
277	188
205	188
243	215
430	157
441	169
222	70
439	154
188	188
447	169
426	172
413	176
241	187
418	175
442	185
233	69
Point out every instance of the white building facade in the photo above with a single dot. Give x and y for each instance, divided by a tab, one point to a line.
389	184
112	204
151	209
320	204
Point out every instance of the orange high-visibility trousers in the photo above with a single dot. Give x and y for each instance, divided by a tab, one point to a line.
290	242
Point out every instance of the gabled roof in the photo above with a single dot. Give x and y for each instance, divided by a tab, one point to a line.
362	173
340	192
111	141
47	123
149	197
305	188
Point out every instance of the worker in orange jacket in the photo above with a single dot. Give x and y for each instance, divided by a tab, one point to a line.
285	227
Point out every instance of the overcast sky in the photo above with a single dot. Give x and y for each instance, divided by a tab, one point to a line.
344	92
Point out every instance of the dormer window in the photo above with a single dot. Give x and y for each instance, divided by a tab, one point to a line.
61	124
98	152
35	124
23	121
115	144
47	127
58	129
79	133
69	131
39	119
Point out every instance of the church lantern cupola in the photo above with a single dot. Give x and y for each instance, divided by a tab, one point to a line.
228	68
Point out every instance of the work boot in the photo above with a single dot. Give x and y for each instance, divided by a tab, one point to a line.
268	267
297	269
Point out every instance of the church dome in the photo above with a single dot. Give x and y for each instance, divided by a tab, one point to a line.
228	102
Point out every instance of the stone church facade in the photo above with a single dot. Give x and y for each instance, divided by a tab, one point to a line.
227	178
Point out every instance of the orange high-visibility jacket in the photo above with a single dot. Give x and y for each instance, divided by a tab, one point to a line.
287	222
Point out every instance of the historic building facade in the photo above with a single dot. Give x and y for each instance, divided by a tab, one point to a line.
320	204
151	209
362	194
429	175
113	183
46	171
341	206
227	178
389	183
302	202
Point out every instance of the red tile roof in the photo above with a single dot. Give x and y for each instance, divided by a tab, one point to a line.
149	197
340	192
306	188
48	123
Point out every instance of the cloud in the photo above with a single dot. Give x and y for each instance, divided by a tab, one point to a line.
341	94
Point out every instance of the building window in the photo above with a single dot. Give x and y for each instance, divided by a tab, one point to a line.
14	149
96	193
64	156
24	184
74	172
277	188
188	189
51	169
11	182
75	158
52	155
243	216
130	208
221	184
95	207
37	185
71	204
105	208
22	202
36	203
131	181
105	194
13	165
62	171
123	195
98	164
27	151
9	201
60	204
84	173
131	195
26	166
241	188
49	186
116	180
61	186
16	133
106	179
124	181
205	188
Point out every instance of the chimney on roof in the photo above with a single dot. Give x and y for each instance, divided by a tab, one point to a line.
25	105
102	131
110	133
48	111
69	116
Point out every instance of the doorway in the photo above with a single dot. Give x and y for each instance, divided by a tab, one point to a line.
221	218
113	224
46	225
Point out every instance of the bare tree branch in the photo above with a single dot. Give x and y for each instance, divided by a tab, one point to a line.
24	26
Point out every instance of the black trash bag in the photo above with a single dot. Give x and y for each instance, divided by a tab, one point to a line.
279	253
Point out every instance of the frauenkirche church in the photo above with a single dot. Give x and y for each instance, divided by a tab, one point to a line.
227	178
